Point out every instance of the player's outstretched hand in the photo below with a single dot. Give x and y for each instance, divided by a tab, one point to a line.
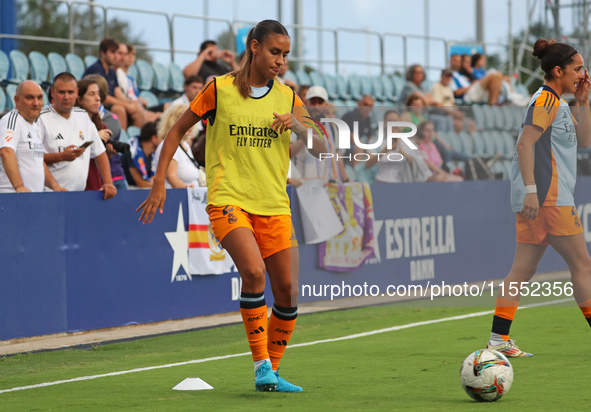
154	202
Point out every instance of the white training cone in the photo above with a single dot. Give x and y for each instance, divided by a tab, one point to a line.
192	384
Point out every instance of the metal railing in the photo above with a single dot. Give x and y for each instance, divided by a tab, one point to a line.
337	60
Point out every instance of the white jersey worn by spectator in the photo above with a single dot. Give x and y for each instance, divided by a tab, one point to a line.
25	139
187	170
58	133
181	100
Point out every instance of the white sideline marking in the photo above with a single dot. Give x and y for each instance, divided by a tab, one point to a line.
214	358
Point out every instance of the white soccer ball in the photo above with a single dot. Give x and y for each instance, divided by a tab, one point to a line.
486	375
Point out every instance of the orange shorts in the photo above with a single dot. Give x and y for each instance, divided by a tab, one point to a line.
272	233
551	220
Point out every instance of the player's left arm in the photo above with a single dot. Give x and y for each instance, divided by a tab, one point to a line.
583	125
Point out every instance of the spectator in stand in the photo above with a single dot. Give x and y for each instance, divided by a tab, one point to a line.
424	138
138	162
117	102
206	64
415	109
466	68
183	171
485	90
125	58
67	131
308	166
445	101
193	85
415	115
362	115
478	63
110	122
442	93
90	101
415	76
400	164
281	79
302	91
22	168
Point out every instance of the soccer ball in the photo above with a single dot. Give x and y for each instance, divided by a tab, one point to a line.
486	375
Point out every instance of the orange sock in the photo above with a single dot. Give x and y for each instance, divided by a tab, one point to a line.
586	309
281	325
504	314
254	316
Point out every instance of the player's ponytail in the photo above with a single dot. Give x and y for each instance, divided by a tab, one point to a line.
552	54
261	31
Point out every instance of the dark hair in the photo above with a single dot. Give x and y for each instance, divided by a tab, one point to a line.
108	44
205	44
63	76
475	58
421	127
83	86
259	33
411	71
130	48
195	78
148	130
552	54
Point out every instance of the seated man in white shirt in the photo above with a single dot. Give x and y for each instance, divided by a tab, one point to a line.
444	98
485	90
22	168
71	139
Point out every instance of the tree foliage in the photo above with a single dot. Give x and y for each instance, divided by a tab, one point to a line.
51	19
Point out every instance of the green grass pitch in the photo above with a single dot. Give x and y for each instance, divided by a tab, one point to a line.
415	368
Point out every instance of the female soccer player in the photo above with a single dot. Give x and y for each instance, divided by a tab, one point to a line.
249	117
542	186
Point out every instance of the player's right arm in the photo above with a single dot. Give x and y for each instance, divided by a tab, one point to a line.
10	164
157	196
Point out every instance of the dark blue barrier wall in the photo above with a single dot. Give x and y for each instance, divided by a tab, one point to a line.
483	231
71	261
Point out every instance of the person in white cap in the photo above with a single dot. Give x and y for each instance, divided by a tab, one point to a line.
309	167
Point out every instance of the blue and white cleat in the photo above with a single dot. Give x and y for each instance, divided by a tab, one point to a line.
266	379
285	386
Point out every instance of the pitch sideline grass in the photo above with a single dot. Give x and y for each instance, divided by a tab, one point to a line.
413	369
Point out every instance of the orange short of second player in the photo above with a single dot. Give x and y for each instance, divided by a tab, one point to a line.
272	233
551	220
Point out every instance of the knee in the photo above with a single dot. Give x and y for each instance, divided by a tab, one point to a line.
253	274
